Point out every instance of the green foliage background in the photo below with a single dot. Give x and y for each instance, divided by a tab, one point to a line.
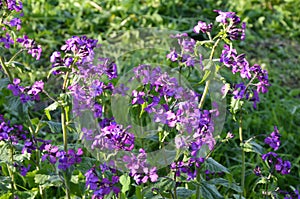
272	41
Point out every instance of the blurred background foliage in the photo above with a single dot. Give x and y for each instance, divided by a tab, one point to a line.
273	32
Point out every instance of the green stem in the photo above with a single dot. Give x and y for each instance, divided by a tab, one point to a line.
15	55
6	71
64	128
68	196
11	174
243	156
138	192
198	195
208	81
204	94
65	81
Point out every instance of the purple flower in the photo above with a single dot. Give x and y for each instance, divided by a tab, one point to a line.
262	77
7	40
203	27
139	168
50	154
81	47
13	5
257	171
16	22
101	185
269	157
66	160
223	17
113	137
173	56
97	88
33	49
122	89
36	88
97	110
23	170
232	21
274	139
138	97
240	91
283	167
188	60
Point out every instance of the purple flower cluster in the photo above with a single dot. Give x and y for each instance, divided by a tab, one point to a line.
12	5
65	159
113	137
101	185
29	93
11	133
273	140
234	28
281	166
203	27
23	169
139	168
187	168
79	50
290	195
238	63
187	46
29	44
7	40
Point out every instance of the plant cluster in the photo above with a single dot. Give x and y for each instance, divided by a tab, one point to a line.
164	118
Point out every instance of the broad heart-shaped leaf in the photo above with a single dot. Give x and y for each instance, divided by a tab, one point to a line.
125	182
214	166
209	191
184	193
253	147
51	107
226	183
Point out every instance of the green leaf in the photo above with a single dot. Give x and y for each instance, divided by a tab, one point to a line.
226	183
55	127
214	166
209	191
235	105
206	75
60	68
30	194
3	83
237	196
252	147
227	87
4	153
184	193
125	182
41	178
6	196
51	107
